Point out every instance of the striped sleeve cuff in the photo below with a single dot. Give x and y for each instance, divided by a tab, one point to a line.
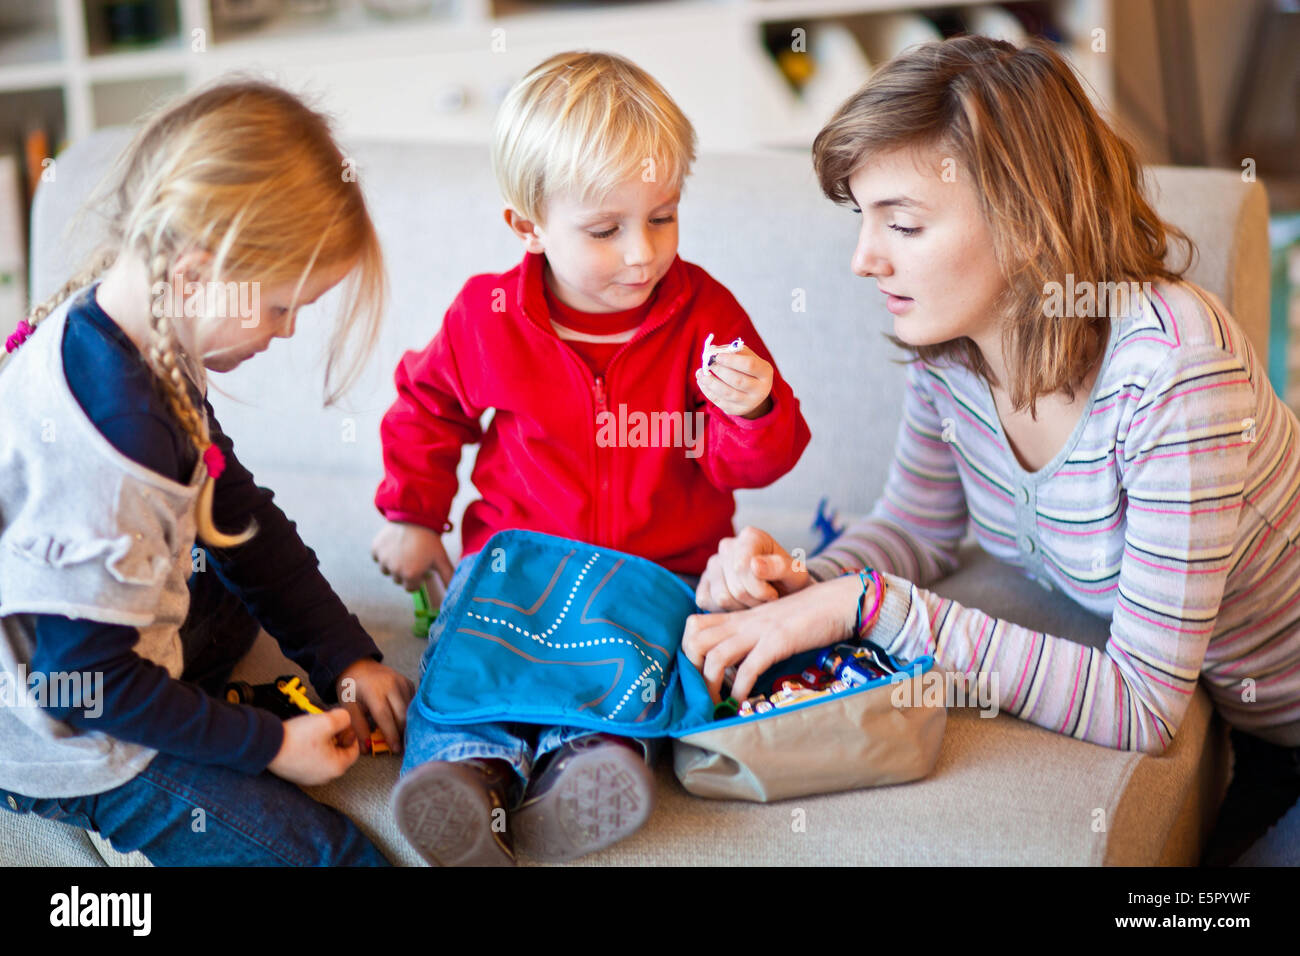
891	624
823	569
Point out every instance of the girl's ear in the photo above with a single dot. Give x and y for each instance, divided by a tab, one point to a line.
193	264
525	229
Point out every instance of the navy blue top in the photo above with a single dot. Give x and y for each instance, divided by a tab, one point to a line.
274	574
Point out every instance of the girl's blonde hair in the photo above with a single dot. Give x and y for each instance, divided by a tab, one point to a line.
246	172
583	123
1060	190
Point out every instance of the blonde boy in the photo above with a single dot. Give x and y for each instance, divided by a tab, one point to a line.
606	429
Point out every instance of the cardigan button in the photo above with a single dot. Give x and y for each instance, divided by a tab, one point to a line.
1029	544
13	804
1024	495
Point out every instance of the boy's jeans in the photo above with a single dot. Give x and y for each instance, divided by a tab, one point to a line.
521	745
180	813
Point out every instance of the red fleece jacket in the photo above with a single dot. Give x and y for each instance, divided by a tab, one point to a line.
574	455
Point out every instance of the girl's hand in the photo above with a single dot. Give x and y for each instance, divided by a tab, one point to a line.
408	552
757	638
739	383
381	695
748	570
312	752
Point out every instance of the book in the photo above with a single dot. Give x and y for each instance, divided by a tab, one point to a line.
13	249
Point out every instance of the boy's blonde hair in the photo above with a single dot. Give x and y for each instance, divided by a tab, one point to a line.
583	123
245	171
1060	190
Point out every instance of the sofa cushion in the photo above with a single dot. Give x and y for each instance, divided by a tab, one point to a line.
1003	792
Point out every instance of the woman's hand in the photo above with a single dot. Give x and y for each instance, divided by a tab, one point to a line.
408	552
314	751
739	383
376	694
748	570
759	637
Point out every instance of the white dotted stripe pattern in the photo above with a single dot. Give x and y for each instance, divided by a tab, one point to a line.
542	637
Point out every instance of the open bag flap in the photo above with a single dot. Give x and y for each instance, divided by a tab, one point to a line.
552	631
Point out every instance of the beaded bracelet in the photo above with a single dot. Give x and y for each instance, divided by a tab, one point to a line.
860	627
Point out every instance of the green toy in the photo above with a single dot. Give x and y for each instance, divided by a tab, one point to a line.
728	708
425	612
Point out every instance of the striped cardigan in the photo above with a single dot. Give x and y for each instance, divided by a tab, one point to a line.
1171	510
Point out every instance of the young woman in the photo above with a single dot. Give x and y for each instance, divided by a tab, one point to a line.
1104	424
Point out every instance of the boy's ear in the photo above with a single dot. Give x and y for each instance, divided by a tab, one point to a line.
525	229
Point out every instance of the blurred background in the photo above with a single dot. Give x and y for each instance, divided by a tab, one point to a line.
1192	82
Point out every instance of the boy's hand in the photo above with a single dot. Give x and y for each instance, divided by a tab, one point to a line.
739	383
312	752
379	694
408	552
748	570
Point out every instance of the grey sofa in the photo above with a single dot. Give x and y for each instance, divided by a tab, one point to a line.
1003	792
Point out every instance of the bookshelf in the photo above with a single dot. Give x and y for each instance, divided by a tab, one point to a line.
454	59
69	67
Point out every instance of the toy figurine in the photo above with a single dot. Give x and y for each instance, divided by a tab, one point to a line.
711	350
286	698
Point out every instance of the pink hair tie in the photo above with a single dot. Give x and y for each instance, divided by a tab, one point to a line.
215	461
19	335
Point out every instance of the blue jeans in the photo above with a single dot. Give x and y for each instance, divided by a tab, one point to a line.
184	814
1259	822
180	813
521	745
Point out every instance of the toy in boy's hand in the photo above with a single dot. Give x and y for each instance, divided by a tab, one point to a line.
426	612
712	351
735	378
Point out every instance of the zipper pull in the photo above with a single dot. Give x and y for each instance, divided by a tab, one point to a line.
598	390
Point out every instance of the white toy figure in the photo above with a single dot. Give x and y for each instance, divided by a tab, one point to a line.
710	350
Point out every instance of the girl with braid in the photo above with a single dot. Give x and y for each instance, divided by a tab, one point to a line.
113	467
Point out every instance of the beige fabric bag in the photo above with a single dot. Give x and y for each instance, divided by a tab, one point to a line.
844	742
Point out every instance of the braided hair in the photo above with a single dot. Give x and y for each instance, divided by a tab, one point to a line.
248	172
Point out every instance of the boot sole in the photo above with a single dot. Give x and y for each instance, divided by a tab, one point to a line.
444	812
603	796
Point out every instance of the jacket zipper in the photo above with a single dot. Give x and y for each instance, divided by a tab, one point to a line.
602	471
601	515
600	399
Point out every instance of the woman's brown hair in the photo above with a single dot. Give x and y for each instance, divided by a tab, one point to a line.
1059	189
248	173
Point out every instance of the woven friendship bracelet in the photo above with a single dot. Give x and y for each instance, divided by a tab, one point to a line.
861	626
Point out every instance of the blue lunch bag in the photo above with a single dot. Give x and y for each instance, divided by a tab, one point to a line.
551	631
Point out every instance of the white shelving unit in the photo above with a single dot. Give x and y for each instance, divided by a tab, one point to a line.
440	75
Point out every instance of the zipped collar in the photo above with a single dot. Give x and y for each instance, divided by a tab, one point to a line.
675	289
